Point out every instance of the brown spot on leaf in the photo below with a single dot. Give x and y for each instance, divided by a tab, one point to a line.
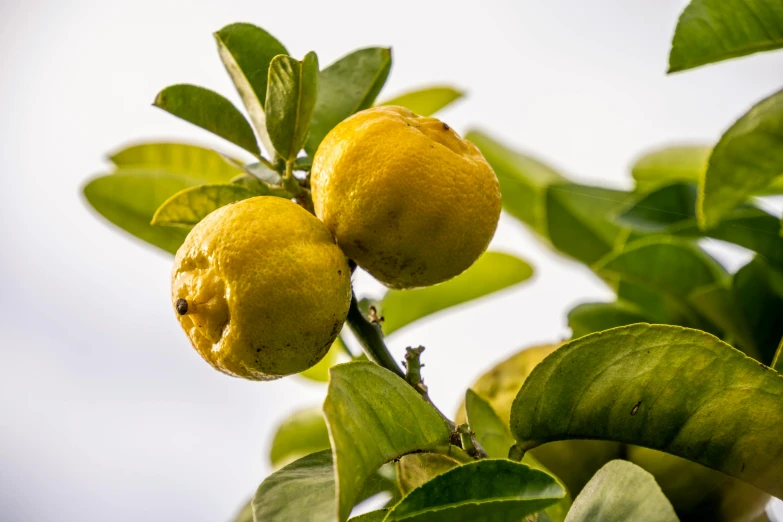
635	408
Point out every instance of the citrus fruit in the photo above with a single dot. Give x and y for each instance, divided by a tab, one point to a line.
405	196
260	288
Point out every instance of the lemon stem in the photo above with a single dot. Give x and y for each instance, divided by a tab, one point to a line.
290	183
370	337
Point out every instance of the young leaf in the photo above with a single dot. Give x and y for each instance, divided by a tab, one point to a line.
483	490
672	164
748	157
349	85
302	490
178	158
621	491
290	99
492	272
129	198
587	318
427	101
246	52
669	388
374	417
187	207
335	355
210	111
713	30
302	433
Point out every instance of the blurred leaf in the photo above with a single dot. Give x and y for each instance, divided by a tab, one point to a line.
482	490
418	468
660	308
671	164
713	30
302	433
210	111
246	52
664	387
290	100
246	515
129	198
302	490
495	437
427	101
335	355
622	491
577	220
661	208
366	409
189	206
347	86
587	318
748	157
761	307
177	158
492	272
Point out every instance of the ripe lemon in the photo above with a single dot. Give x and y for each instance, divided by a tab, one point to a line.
405	196
260	288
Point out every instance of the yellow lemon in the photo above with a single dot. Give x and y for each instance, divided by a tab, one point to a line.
260	288
406	197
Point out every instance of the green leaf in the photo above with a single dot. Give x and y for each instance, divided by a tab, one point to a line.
482	491
416	469
777	361
748	157
177	158
427	101
587	318
373	417
761	307
660	209
577	220
713	30
302	433
129	198
246	52
246	514
189	206
347	86
621	491
372	516
303	490
492	272
335	355
290	100
495	437
672	164
210	111
664	387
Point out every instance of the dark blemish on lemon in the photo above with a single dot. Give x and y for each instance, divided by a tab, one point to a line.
339	272
636	408
181	306
446	126
743	468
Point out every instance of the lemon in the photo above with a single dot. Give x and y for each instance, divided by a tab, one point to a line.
405	196
260	288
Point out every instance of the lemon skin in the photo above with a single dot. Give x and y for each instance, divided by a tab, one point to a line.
261	288
406	197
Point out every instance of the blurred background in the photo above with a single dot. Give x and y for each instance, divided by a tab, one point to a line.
105	409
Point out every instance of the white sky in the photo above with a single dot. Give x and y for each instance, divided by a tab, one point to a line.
105	410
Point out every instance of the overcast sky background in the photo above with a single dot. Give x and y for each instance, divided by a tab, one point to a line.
106	412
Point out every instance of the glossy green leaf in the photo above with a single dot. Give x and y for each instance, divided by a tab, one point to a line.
427	101
187	207
320	372
748	157
619	492
374	417
302	433
492	272
664	387
302	490
713	30
129	198
494	436
246	52
347	86
372	516
482	491
671	164
177	158
290	100
210	111
587	318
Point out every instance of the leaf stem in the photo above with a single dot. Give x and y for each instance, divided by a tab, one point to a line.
370	337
